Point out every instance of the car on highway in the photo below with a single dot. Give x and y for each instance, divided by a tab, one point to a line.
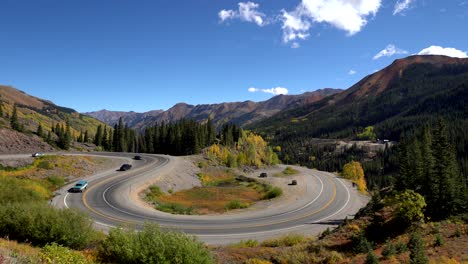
137	157
80	186
125	167
294	182
37	154
263	175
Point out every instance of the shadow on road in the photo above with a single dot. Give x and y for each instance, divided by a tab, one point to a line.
328	222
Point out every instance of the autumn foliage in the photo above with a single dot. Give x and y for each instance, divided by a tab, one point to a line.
250	150
353	171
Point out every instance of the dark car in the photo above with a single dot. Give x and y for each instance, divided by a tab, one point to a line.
125	167
294	182
263	175
137	157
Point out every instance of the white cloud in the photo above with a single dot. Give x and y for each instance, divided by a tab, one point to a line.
294	26
275	91
348	15
389	51
438	50
401	5
226	14
352	72
295	45
247	12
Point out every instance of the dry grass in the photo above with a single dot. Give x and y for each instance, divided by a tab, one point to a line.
57	165
220	191
211	199
14	252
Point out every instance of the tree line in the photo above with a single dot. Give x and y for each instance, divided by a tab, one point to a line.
183	137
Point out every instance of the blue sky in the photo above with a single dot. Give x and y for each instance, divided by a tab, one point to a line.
151	54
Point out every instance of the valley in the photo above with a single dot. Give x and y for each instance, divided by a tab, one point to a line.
399	135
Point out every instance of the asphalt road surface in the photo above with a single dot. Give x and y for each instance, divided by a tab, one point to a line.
109	200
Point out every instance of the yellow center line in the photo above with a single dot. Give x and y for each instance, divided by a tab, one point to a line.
329	202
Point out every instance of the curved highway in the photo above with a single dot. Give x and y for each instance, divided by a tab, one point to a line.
110	200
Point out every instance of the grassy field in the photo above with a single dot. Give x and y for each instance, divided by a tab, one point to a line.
49	173
55	165
221	191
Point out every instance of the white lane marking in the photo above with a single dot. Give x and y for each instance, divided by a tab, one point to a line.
287	228
65	200
341	209
283	213
99	223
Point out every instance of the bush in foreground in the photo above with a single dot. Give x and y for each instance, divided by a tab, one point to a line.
152	245
54	253
41	224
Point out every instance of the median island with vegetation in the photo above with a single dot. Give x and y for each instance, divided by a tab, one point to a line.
221	174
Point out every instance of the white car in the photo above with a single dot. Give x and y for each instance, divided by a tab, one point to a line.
38	154
80	186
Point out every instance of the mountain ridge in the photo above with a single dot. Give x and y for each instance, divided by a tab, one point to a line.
240	113
416	85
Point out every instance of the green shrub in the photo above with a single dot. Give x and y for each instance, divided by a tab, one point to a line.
54	253
289	171
13	190
245	244
417	249
285	241
152	245
257	261
44	164
400	247
174	208
389	249
235	204
361	244
273	193
326	233
56	181
154	192
371	258
41	224
439	240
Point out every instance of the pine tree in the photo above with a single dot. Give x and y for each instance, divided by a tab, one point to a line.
105	143
1	107
445	173
417	250
14	120
80	137
98	136
40	131
49	137
86	137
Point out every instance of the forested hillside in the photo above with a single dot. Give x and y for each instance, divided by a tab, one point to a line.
392	104
57	125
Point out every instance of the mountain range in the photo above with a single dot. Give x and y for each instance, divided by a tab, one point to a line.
240	113
408	93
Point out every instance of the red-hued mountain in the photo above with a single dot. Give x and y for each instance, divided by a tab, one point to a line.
241	113
407	93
